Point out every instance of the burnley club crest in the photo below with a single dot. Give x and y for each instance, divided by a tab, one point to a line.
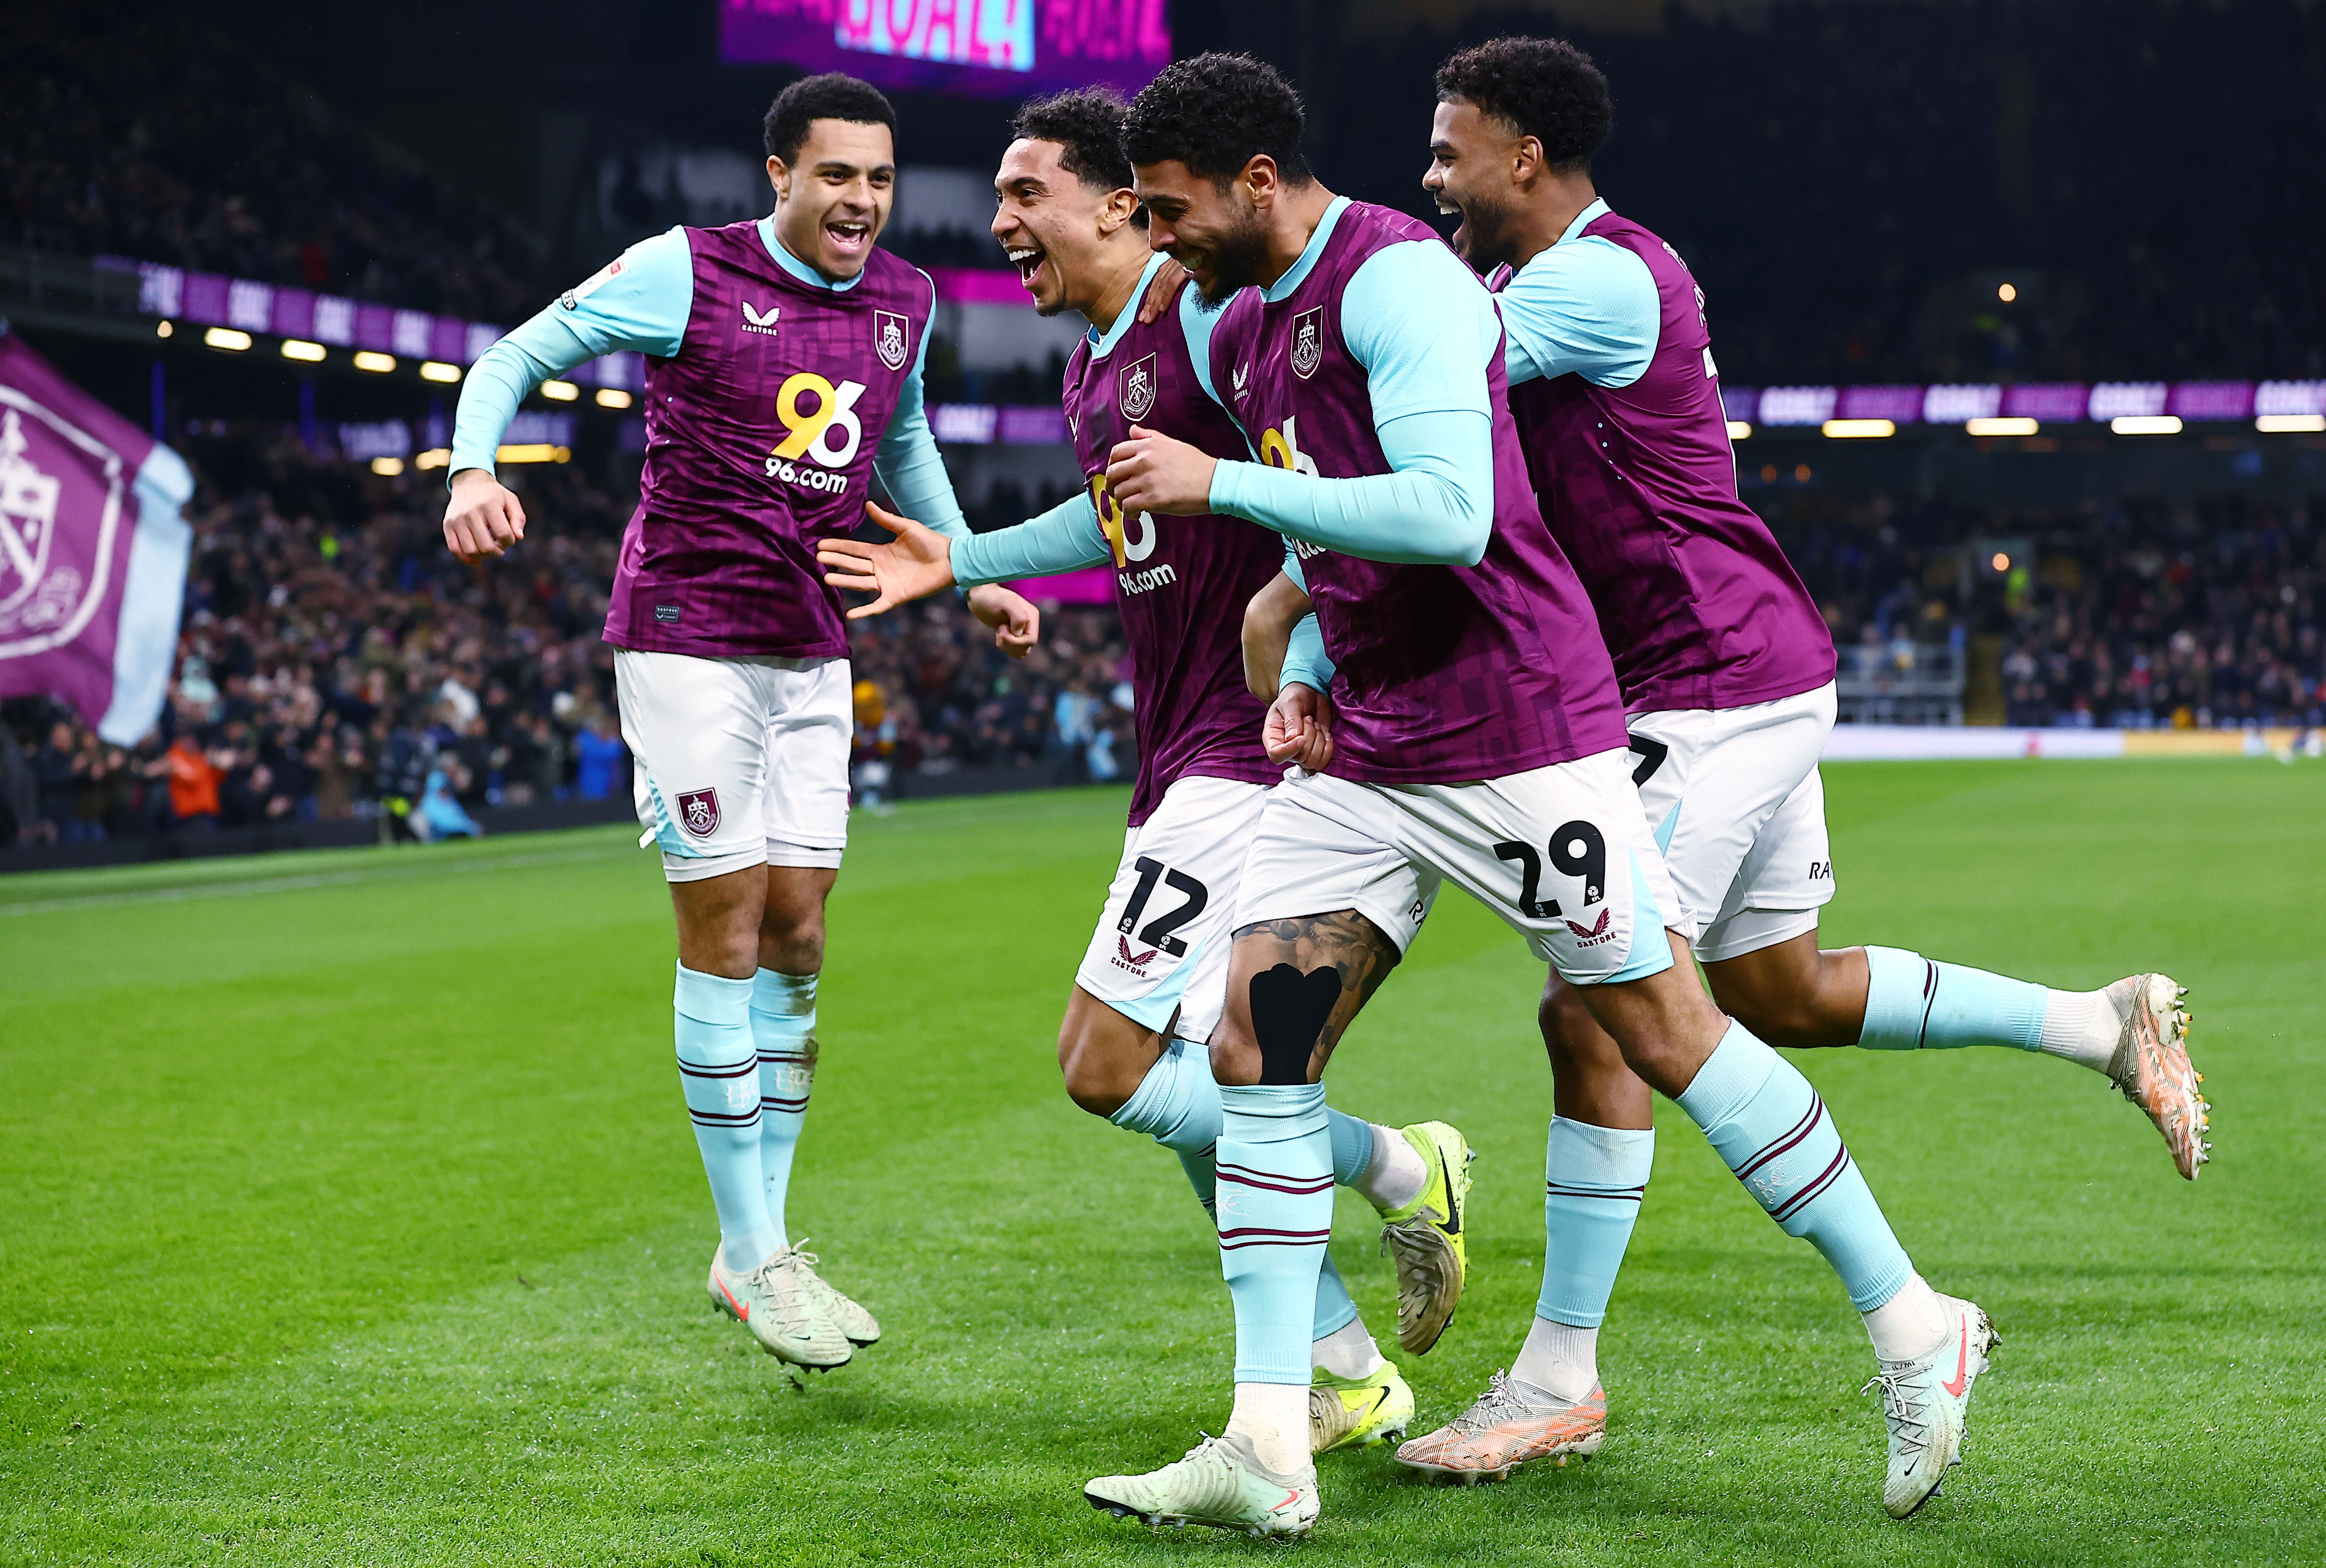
698	813
1137	397
889	338
1308	342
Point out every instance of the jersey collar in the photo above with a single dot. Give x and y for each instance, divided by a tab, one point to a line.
1586	219
797	267
1298	273
1103	345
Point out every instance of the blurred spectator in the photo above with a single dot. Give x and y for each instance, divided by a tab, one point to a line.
438	815
193	785
602	758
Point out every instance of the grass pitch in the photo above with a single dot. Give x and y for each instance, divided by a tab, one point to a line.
348	1215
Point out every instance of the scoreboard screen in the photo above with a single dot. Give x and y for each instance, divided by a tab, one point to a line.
990	48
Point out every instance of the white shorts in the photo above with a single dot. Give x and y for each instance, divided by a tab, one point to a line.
1561	853
741	761
1162	942
1738	808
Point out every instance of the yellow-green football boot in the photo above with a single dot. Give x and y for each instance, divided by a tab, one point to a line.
1425	1237
1358	1412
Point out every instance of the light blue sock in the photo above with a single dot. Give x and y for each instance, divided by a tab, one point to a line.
1178	1105
1913	1003
1352	1147
1595	1177
1763	1117
1276	1211
720	1070
783	1028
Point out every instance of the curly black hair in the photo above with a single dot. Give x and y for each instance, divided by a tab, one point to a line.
829	96
1215	112
1087	125
1546	86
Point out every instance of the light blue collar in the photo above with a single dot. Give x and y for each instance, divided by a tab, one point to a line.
1102	346
797	267
1298	272
1585	220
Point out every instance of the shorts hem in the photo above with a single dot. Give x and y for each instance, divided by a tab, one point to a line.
1714	949
702	868
805	857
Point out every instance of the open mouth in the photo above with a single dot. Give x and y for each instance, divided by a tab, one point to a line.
1461	238
1029	261
848	236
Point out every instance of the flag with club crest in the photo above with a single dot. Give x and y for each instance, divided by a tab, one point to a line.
92	550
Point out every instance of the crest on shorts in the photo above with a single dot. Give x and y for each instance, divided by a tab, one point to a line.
1308	342
698	813
1137	397
889	334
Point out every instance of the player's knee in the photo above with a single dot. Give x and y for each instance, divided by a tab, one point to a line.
793	945
1097	1079
1566	1023
1235	1055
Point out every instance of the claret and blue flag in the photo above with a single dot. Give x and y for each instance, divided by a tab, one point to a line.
93	546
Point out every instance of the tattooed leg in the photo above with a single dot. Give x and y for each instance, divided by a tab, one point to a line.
1293	987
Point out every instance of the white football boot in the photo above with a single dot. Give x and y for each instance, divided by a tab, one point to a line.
2152	1065
1927	1402
780	1310
861	1326
1219	1483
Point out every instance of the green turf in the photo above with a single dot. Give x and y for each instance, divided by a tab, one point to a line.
351	1217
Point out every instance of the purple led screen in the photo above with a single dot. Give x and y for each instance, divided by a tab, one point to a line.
988	48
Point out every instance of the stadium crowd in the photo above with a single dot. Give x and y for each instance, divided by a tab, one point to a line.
2137	614
157	148
334	663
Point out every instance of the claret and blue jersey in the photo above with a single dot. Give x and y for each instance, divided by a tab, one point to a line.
773	396
1180	582
1618	400
1464	647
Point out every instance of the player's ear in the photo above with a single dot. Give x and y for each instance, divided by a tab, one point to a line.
1526	161
779	176
1260	179
1119	208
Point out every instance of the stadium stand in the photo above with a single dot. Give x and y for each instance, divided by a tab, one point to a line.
334	658
176	149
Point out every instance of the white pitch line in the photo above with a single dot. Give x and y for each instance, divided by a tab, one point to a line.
293	884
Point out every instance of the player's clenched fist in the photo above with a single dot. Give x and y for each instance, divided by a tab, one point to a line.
1299	728
1154	473
484	517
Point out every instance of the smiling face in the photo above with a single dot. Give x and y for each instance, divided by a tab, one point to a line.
1472	159
1057	230
1216	233
833	199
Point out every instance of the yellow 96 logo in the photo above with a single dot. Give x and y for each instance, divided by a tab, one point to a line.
828	434
1109	521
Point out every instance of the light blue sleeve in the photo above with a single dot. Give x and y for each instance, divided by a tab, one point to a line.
1196	325
1423	325
909	463
1305	659
1435	507
1584	305
1061	539
638	303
